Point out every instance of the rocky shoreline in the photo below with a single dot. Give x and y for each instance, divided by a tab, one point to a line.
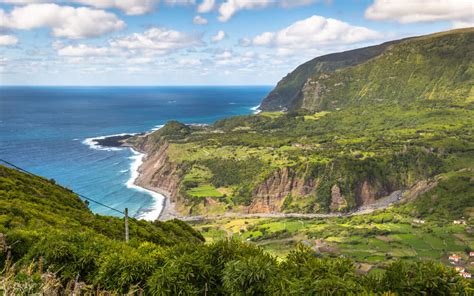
168	210
114	141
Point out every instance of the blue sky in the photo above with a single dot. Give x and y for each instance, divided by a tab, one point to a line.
198	42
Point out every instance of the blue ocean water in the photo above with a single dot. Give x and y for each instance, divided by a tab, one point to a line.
43	129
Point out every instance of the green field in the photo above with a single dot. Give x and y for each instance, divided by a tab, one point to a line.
365	238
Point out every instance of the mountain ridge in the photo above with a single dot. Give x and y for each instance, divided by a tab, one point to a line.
316	84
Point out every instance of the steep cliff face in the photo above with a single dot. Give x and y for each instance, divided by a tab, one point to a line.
433	67
157	172
270	195
338	202
284	184
288	90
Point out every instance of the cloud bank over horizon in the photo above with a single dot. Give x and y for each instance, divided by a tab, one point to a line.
199	41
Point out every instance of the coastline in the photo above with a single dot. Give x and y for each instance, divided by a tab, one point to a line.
168	209
153	213
163	208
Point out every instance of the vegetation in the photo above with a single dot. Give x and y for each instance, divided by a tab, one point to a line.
398	116
366	122
390	147
48	228
437	66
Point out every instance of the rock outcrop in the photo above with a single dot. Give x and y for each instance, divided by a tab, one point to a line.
338	202
158	173
270	195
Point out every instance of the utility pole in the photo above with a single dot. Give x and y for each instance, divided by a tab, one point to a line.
126	225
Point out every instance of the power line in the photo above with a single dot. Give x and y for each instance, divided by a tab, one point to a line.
84	197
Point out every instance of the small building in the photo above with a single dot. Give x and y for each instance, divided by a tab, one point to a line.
466	275
459	269
460	222
419	221
471	254
454	258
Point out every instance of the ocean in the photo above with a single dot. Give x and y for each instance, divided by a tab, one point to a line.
50	130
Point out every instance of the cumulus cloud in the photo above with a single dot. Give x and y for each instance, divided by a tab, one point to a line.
189	62
8	40
314	32
410	11
245	41
82	50
206	6
130	7
218	37
199	20
180	2
64	21
463	24
159	40
139	61
23	1
231	7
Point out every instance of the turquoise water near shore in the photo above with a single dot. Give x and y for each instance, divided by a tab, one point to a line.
46	130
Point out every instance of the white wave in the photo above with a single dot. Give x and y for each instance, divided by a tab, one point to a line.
157	127
93	144
152	213
123	171
256	109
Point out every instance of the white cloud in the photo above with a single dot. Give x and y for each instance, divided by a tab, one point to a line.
139	61
313	33
265	38
130	7
8	40
159	40
189	62
463	24
180	2
82	50
219	36
245	41
64	21
230	7
206	6
410	11
199	20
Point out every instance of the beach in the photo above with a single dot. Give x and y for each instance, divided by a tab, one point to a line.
162	208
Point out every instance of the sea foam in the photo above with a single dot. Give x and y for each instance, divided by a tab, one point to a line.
256	109
154	211
93	144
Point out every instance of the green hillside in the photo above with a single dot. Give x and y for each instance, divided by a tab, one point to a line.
51	244
39	219
433	67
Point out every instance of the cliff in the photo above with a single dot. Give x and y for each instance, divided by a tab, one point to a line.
432	67
363	124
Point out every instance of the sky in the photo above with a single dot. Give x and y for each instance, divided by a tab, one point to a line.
199	42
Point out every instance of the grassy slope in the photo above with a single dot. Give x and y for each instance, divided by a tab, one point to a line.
403	116
383	235
434	67
288	89
42	219
390	144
